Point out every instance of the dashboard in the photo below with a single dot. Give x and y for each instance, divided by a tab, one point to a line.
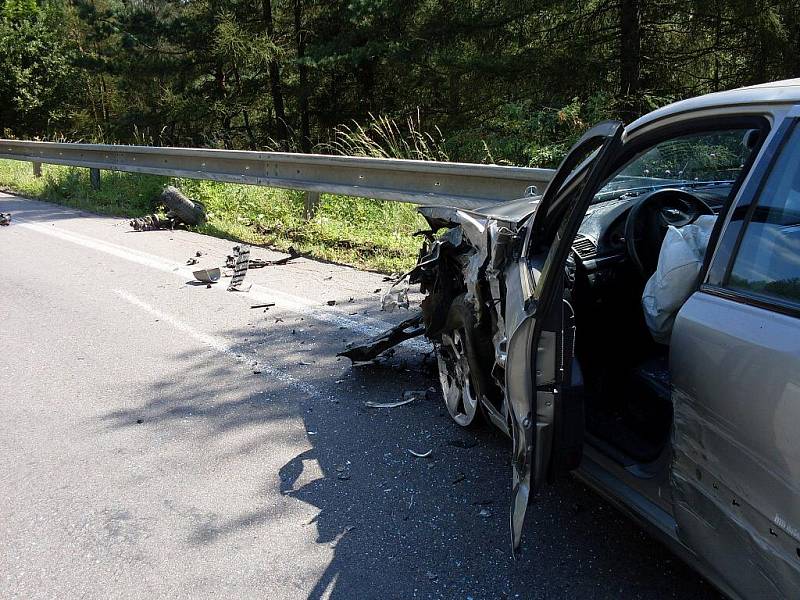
600	241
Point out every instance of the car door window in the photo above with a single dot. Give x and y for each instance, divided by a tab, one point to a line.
767	263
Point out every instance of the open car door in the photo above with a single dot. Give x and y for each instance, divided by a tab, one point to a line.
546	418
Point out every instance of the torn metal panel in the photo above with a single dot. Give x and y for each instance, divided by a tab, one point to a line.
410	328
397	296
470	274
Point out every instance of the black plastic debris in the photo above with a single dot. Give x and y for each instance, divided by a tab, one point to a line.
406	330
5	219
257	263
241	262
180	210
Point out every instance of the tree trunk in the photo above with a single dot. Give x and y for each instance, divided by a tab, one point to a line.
630	22
275	77
300	36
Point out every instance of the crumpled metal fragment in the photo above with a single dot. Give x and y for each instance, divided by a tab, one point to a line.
397	296
371	349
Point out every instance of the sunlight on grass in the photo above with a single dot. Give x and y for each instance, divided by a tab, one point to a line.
369	234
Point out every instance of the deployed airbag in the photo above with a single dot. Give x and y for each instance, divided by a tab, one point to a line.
675	278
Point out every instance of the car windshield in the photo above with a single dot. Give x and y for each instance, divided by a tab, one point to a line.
694	160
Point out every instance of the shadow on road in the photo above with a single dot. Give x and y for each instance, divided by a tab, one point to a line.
399	525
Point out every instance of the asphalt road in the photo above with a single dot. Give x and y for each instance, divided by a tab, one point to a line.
163	439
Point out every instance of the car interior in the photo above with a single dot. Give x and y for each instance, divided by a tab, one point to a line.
625	364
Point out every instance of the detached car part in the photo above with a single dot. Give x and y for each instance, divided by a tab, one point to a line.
179	210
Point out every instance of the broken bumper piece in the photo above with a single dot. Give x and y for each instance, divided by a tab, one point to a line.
410	328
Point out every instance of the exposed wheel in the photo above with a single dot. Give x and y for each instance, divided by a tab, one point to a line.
455	375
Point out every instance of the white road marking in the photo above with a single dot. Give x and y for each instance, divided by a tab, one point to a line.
220	345
367	326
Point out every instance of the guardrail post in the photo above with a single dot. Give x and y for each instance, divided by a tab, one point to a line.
310	204
94	177
37	169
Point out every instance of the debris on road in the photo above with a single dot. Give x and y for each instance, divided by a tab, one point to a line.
485	513
180	211
267	305
371	404
421	454
331	303
150	223
208	275
192	261
5	219
241	262
338	538
257	263
397	296
411	395
406	330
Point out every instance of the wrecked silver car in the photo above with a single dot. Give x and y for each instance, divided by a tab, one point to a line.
638	324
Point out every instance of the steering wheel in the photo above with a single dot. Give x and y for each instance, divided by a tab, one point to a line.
649	218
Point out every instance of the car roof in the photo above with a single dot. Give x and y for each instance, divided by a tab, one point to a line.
775	92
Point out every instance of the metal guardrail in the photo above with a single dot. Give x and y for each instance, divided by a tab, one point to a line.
421	182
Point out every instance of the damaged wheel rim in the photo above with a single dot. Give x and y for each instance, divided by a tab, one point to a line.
455	376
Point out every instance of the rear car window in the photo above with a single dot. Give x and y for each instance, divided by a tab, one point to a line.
768	260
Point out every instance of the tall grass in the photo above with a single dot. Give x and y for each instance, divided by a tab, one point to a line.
383	137
360	232
363	233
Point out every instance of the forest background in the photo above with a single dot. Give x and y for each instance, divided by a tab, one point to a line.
489	81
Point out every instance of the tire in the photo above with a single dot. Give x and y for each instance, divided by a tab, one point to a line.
459	367
185	210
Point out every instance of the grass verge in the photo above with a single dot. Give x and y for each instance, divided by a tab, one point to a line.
368	234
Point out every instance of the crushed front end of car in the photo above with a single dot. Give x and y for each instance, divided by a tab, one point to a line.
461	270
